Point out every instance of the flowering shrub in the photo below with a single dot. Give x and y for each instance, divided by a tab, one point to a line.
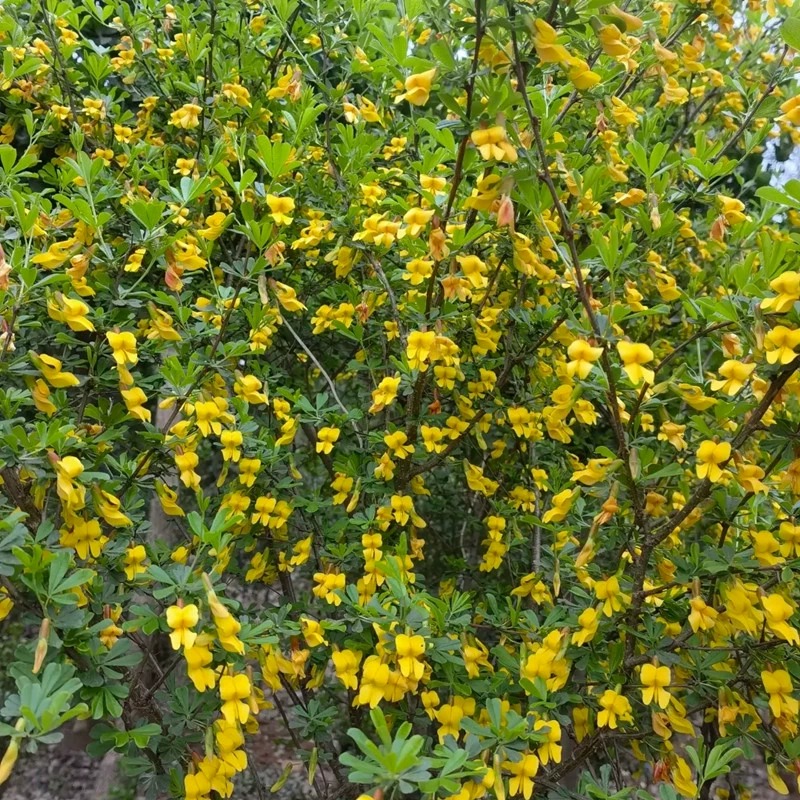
428	372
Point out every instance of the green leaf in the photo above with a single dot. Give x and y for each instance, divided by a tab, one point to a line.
790	32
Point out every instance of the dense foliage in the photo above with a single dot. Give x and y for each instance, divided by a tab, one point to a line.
426	370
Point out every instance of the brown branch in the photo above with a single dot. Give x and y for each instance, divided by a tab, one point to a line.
19	497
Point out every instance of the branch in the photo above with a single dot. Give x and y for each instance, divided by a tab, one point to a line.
583	292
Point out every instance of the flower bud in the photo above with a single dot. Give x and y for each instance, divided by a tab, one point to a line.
41	645
505	213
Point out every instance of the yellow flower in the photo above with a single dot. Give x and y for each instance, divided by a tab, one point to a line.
312	632
791	111
237	94
40	393
630	198
582	356
123	346
184	167
378	230
326	438
561	504
198	657
631	22
346	662
549	750
616	709
187	116
84	536
702	616
287	297
734	376
750	476
580	718
56	255
432	438
51	370
135	399
374	682
182	619
231	441
72	312
72	494
777	613
588	620
215	224
787	285
11	754
619	46
634	356
108	507
328	585
134	561
410	652
655	680
248	387
693	395
681	775
710	458
522	775
732	209
6	603
385	394
545	41
396	443
233	691
168	498
281	208
780	344
449	717
580	74
778	685
418	350
417	88
493	144
611	595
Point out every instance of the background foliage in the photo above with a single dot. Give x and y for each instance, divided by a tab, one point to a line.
427	370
